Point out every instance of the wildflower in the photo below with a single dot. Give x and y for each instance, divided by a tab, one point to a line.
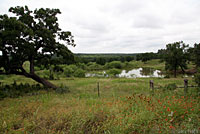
171	127
166	119
168	109
182	97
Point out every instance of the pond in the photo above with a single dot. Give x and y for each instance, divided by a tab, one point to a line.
134	73
141	72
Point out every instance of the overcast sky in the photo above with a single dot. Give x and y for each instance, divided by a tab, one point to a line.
122	26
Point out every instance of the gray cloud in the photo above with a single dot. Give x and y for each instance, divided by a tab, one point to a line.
129	26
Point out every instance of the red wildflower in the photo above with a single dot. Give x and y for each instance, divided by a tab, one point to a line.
171	127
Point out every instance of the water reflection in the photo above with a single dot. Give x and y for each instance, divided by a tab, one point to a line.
134	73
141	72
103	74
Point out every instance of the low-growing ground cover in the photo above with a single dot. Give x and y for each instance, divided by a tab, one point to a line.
124	106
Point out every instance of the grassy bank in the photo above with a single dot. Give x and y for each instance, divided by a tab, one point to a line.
124	106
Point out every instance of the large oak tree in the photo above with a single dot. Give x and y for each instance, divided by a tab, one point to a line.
33	36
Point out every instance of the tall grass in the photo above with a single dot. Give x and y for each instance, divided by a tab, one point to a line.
124	106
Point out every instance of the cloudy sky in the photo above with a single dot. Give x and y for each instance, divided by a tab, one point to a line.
122	26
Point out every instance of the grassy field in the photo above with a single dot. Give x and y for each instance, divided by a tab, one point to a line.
124	106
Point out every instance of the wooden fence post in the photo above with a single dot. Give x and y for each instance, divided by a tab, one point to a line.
185	86
152	86
98	89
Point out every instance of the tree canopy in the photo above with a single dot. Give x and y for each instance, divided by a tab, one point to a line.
33	36
175	56
197	54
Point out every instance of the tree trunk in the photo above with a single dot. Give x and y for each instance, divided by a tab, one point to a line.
43	81
183	71
175	72
35	77
39	79
32	71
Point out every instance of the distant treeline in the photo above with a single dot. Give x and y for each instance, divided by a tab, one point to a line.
103	58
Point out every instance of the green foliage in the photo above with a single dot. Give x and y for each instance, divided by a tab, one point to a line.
176	56
114	72
144	57
82	66
68	71
114	64
33	36
92	66
125	106
79	73
15	90
103	58
197	54
101	61
74	71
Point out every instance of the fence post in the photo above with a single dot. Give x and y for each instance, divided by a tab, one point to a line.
152	86
185	86
98	89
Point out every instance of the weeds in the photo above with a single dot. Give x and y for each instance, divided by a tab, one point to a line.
130	110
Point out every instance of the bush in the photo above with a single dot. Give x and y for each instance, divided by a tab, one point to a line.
62	90
113	72
68	71
92	66
81	65
114	64
15	90
79	73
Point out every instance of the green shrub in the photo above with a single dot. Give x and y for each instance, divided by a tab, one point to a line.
62	90
114	72
81	65
92	66
2	77
15	90
37	68
68	71
79	73
114	64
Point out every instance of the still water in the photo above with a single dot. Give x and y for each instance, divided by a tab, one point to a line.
134	73
141	72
